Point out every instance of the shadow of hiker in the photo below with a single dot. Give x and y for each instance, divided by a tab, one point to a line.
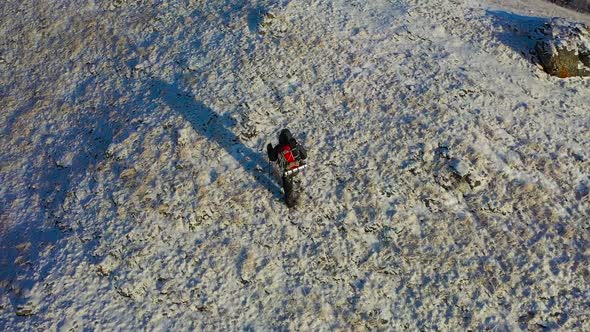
200	117
518	32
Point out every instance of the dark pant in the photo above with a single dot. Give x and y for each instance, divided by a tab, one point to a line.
291	194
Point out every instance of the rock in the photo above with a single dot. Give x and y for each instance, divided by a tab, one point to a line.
524	320
579	5
114	4
474	180
409	165
272	25
249	131
582	191
128	174
459	167
564	49
65	160
443	152
25	310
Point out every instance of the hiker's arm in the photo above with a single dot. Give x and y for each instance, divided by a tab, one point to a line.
272	154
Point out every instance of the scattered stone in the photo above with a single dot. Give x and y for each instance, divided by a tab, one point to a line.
542	324
443	152
445	179
24	246
25	310
579	157
409	165
102	271
128	174
525	319
65	160
582	191
474	180
564	50
184	136
459	167
114	4
272	25
21	261
124	291
249	131
579	5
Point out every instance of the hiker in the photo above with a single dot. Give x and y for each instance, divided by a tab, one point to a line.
290	156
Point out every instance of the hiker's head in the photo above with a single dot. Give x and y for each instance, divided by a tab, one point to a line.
285	136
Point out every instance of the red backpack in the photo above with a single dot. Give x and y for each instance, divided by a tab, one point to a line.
286	158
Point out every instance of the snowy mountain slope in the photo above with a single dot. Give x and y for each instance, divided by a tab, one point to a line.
448	187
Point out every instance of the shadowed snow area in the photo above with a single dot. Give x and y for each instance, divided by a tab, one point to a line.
448	186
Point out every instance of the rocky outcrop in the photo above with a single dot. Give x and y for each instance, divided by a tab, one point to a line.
564	49
581	5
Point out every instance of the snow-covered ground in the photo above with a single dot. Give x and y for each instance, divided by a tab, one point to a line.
448	187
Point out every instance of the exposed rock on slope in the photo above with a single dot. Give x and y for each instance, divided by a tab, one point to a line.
565	49
582	5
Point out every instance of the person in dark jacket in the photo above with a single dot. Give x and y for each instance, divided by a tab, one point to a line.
290	156
286	143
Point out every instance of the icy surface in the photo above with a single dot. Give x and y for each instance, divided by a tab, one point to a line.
448	186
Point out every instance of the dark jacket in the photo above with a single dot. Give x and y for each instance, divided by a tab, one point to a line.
297	150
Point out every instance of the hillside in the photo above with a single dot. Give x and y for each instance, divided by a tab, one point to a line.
448	186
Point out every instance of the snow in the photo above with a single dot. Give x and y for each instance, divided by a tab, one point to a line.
448	186
568	36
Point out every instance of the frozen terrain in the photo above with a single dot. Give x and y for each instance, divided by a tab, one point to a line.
448	187
580	5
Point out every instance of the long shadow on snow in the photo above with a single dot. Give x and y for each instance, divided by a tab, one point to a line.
21	245
200	117
518	32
